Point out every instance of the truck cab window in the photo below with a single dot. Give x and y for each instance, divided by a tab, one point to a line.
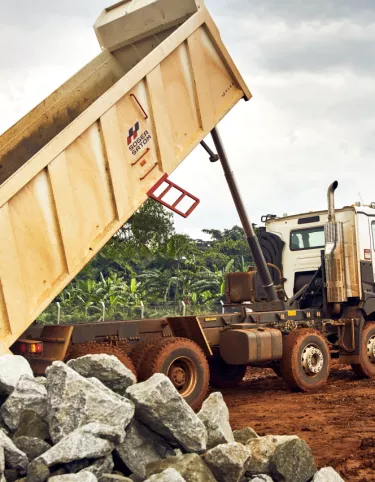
310	238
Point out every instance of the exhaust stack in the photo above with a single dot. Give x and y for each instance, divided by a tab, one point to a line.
334	252
331	202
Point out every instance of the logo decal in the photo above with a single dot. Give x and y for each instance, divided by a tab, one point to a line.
138	140
133	133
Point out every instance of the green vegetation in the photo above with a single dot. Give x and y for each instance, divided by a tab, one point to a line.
149	270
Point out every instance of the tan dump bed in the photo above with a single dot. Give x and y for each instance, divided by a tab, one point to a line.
75	169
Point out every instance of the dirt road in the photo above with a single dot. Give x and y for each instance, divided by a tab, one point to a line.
338	422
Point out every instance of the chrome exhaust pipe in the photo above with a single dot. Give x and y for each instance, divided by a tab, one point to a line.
331	202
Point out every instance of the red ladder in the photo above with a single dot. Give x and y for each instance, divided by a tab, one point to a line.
173	207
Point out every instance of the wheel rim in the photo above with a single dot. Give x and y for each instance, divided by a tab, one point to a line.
183	375
312	360
371	349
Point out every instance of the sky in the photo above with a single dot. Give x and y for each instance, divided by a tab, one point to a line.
309	65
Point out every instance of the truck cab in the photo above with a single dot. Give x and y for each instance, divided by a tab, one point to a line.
302	245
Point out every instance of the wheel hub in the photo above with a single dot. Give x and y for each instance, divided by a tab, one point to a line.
313	360
371	349
178	376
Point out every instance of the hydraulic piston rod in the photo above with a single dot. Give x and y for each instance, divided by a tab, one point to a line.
252	238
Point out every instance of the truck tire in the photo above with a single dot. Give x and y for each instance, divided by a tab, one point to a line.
306	361
223	375
81	349
141	350
185	363
366	366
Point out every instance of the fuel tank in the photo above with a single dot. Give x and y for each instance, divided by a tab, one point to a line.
242	347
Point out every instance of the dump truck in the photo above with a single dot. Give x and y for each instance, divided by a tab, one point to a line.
76	168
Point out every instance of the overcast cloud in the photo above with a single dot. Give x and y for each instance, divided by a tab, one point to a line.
310	66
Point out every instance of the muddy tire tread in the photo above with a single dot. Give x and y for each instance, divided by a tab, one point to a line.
153	363
140	351
288	365
359	368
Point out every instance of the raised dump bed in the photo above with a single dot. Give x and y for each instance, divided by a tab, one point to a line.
81	163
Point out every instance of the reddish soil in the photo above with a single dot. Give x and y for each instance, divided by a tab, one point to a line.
338	422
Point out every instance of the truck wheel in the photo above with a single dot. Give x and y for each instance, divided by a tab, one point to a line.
81	349
366	366
306	361
141	350
185	363
223	375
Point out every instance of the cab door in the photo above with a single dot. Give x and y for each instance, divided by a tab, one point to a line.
366	248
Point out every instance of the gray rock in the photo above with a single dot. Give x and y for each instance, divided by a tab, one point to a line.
292	462
2	460
227	461
12	367
114	478
169	475
215	416
106	368
28	395
191	467
93	441
141	447
14	458
41	380
261	478
159	406
328	474
76	466
81	477
10	475
101	467
32	425
74	401
245	435
37	471
262	449
31	446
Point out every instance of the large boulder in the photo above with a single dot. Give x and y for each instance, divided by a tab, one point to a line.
262	449
28	395
106	368
32	425
228	461
14	458
169	475
92	441
215	416
141	447
244	435
190	466
328	474
81	477
292	462
37	471
12	367
284	458
74	401
159	406
101	467
31	446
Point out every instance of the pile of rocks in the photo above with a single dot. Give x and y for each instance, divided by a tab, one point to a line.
89	421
